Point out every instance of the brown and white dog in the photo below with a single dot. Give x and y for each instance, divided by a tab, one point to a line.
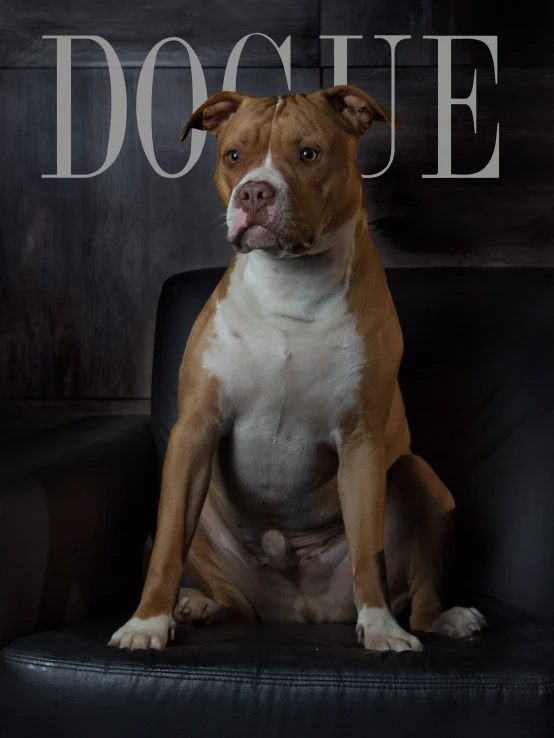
289	479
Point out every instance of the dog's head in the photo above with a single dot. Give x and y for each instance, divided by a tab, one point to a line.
286	167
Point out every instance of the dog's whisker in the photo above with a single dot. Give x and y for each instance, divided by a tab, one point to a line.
218	217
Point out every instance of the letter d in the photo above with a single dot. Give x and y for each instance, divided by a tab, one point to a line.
118	117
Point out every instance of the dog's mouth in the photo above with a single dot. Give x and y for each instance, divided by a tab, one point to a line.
259	237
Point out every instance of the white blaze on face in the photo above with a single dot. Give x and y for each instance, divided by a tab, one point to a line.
267	161
267	172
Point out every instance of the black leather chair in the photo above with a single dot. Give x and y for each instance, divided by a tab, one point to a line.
77	502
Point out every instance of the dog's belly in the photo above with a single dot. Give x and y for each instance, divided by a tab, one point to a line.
284	478
312	583
276	473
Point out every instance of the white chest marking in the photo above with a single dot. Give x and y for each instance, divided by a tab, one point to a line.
289	359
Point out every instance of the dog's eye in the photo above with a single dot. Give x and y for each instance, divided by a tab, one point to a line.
308	154
233	156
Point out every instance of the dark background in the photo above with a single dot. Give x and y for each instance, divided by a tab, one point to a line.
82	261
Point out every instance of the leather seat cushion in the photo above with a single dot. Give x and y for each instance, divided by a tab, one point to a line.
286	681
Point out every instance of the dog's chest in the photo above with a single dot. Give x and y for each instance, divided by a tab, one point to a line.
285	383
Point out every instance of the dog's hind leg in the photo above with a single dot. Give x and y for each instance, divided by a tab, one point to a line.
217	599
421	546
194	608
420	512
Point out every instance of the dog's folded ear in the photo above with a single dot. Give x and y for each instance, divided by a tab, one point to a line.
215	113
356	109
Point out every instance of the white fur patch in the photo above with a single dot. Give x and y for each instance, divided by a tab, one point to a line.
137	633
459	622
379	631
267	162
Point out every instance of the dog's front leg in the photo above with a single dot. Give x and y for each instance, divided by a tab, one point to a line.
362	480
185	482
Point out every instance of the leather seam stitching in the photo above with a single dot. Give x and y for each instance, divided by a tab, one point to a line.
303	680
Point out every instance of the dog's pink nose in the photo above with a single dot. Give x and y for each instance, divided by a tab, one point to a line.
254	196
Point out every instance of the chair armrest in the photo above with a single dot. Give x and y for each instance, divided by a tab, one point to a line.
76	502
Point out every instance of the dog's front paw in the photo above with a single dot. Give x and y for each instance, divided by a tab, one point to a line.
149	633
378	631
459	622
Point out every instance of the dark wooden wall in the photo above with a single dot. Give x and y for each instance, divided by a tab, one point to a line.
82	261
